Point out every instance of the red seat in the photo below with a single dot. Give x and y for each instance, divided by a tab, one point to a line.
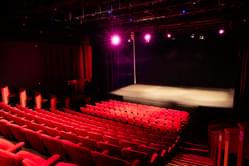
125	143
9	146
35	140
4	129
111	140
88	143
70	136
78	155
147	159
106	160
54	145
17	132
152	150
114	150
95	136
12	159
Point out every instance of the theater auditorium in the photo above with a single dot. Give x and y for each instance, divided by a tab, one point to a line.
124	83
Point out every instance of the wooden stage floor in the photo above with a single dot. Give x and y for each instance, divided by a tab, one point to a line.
182	96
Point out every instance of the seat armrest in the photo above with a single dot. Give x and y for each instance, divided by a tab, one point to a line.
136	163
154	158
106	152
51	160
163	153
27	162
39	131
16	147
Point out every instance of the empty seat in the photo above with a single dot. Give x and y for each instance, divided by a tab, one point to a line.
53	145
106	160
125	143
78	155
12	159
4	129
70	136
35	140
9	146
95	136
17	132
111	139
89	143
145	158
114	150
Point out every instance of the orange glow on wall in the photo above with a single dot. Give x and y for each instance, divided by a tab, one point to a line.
38	101
5	94
23	98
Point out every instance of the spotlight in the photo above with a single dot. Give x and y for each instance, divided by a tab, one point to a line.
129	40
221	31
147	37
201	37
109	12
192	36
115	40
169	35
184	11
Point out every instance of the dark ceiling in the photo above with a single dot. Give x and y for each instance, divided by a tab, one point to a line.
42	15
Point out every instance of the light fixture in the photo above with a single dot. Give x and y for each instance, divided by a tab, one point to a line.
115	40
147	37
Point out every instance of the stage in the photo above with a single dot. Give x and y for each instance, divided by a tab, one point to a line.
181	96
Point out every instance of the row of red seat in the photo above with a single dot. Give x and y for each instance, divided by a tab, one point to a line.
12	155
52	120
162	119
78	153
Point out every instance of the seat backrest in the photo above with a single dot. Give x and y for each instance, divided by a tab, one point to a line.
70	136
88	143
35	140
53	145
114	150
9	159
95	136
78	155
148	149
106	160
17	132
111	139
5	144
4	129
125	143
131	155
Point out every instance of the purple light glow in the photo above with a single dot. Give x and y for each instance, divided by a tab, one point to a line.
115	40
147	37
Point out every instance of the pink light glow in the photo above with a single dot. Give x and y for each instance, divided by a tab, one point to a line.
115	40
169	35
147	37
221	31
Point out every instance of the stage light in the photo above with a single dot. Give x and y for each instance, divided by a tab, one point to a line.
115	40
184	11
221	31
169	35
201	37
147	37
129	40
192	36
